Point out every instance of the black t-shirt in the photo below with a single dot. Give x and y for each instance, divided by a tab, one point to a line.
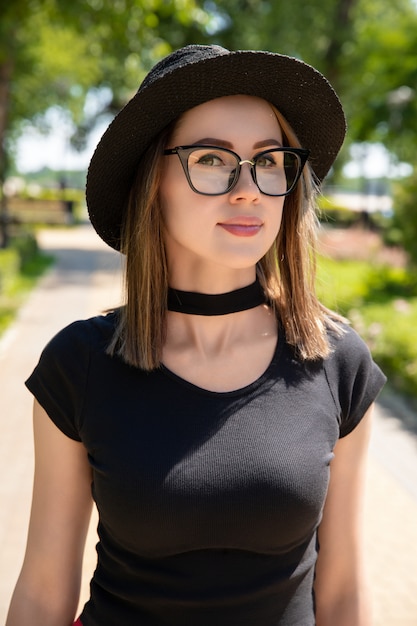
208	502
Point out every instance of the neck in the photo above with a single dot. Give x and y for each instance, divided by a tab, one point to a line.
193	303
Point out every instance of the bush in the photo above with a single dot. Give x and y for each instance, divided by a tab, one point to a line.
20	266
13	260
342	285
26	247
381	303
334	215
9	268
391	333
404	222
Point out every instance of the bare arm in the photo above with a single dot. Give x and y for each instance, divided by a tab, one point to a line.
48	587
341	589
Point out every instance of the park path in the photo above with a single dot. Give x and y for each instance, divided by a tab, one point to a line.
86	280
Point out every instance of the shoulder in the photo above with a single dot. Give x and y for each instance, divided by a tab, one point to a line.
346	345
92	331
82	337
60	378
355	380
71	350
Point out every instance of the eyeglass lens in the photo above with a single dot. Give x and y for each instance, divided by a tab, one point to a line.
213	171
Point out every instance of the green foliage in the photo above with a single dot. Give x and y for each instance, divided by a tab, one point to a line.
53	193
336	215
26	248
15	259
404	225
20	266
357	44
60	52
9	268
45	177
390	330
381	303
51	64
382	105
343	285
348	284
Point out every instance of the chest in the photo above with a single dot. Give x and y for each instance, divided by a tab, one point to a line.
176	469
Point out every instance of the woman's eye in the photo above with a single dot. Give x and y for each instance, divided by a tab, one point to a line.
210	159
266	160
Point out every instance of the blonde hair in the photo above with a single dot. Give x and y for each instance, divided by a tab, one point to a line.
287	271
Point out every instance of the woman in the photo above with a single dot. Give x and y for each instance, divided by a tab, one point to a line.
221	417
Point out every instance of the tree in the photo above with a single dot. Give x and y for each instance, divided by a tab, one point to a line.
383	97
40	66
366	48
59	52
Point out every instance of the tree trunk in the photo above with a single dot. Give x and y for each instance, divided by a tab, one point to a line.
342	31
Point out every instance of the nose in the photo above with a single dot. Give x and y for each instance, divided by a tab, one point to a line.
245	187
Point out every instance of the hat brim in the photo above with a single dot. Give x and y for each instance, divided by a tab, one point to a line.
303	96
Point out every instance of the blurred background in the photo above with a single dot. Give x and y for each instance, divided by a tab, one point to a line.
66	68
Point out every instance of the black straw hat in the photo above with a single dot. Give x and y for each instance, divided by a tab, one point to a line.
189	77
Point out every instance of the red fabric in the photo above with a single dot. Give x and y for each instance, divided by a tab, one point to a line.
77	623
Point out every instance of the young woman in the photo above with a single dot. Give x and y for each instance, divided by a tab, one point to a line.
220	419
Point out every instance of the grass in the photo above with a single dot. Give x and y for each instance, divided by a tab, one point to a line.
21	265
381	303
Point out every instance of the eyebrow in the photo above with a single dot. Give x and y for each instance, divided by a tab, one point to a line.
268	142
227	144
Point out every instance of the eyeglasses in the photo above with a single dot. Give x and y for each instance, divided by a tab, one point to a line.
213	171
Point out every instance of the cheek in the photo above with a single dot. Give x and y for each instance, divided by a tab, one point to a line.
175	191
180	221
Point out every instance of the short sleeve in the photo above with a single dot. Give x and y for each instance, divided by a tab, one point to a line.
355	380
59	380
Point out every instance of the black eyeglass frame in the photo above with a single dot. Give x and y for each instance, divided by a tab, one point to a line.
183	152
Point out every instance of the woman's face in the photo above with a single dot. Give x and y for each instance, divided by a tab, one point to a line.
229	232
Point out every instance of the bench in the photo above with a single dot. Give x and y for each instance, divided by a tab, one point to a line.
34	211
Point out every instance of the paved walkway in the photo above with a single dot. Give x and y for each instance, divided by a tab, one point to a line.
87	280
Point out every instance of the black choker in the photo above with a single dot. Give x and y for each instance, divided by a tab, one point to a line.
218	304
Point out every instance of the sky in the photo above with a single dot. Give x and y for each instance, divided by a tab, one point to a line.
35	151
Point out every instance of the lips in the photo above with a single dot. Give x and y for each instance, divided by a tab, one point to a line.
242	226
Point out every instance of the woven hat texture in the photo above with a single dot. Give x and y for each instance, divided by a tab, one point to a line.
193	75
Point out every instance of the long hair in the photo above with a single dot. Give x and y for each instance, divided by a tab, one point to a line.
286	272
140	332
